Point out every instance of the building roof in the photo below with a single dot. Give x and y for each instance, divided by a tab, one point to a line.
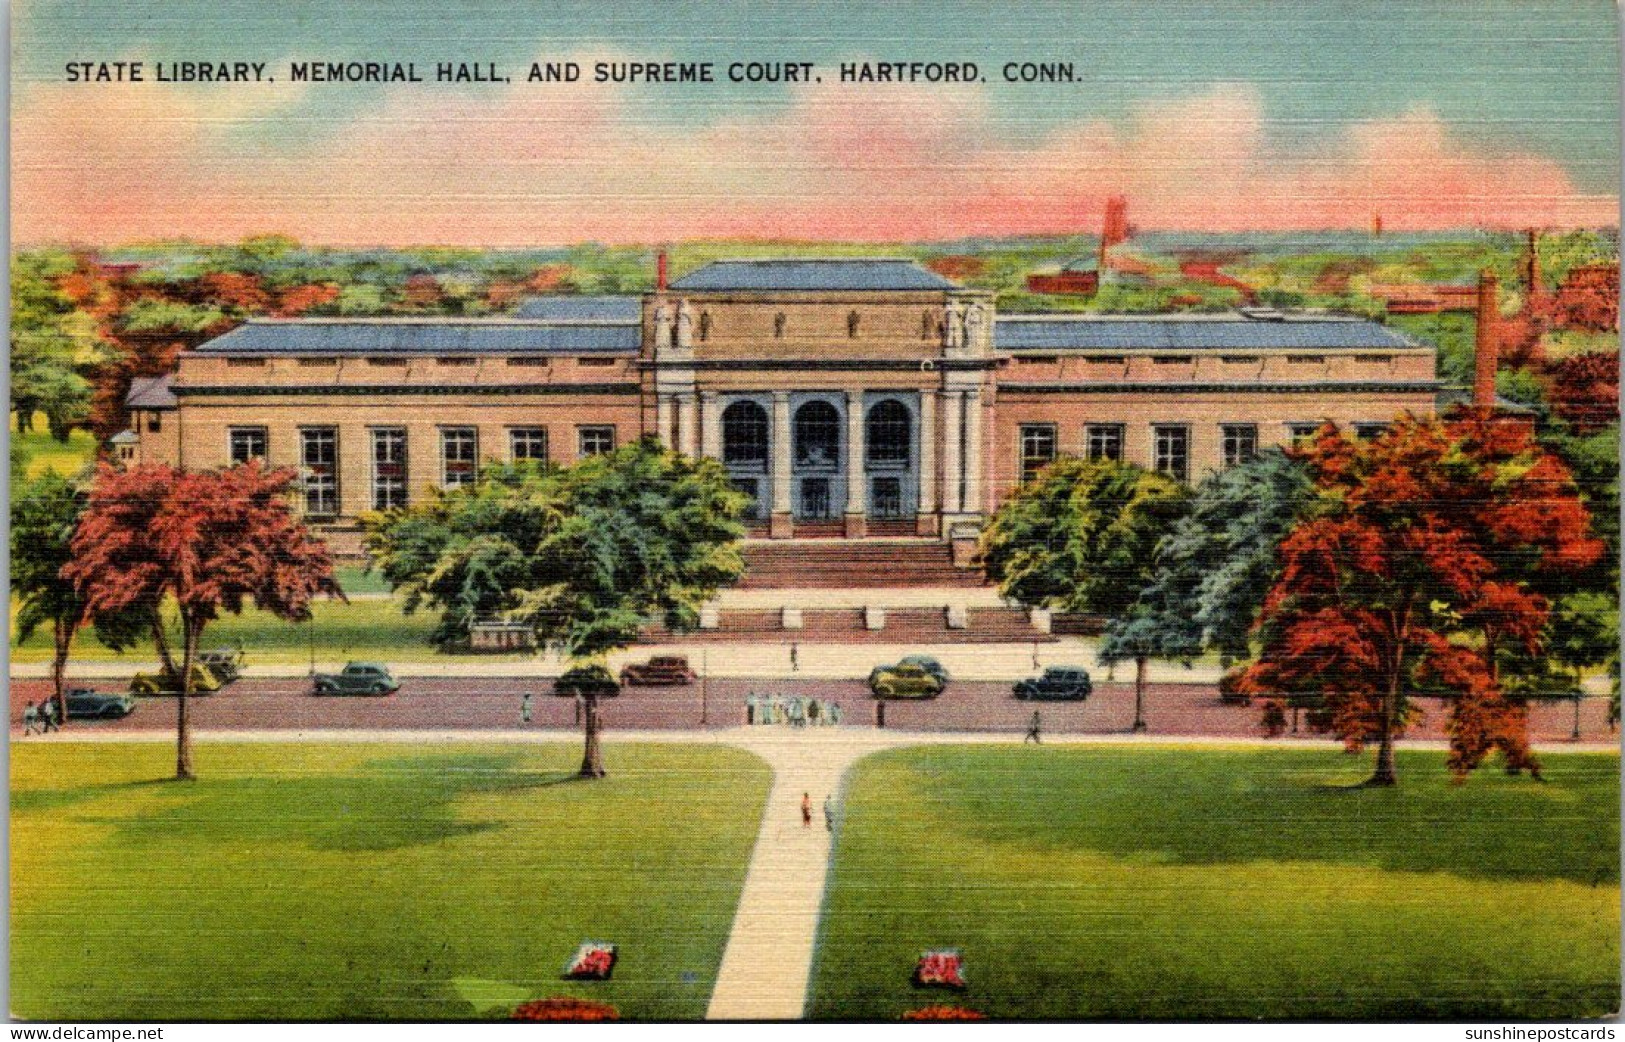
421	336
150	392
868	274
566	308
1198	332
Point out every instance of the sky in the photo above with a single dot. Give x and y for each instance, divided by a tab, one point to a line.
1226	115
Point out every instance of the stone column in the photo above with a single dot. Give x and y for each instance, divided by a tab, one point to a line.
975	491
926	514
687	429
952	476
856	480
780	525
710	425
663	413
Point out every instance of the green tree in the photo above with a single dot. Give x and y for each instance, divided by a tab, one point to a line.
45	512
1081	537
585	556
47	346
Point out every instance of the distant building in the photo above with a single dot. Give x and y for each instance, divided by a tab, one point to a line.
848	398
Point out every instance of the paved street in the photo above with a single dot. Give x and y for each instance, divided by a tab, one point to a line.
492	704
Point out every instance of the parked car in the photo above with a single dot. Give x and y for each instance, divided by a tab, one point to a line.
1058	684
85	704
905	680
357	678
669	670
168	682
587	680
925	662
225	663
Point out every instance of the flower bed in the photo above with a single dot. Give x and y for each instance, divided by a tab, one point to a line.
943	1013
940	969
565	1007
594	960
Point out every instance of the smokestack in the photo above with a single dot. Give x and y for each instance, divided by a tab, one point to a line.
660	271
1486	354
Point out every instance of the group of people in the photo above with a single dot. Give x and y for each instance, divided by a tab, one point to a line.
43	716
794	710
806	812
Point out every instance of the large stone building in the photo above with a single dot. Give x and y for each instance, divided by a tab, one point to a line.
850	398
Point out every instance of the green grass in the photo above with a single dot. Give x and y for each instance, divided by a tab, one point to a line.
1116	883
369	882
46	453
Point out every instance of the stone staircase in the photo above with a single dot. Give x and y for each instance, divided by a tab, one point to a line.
853	626
853	564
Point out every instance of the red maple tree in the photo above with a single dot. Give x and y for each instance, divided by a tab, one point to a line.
1419	564
210	541
1584	389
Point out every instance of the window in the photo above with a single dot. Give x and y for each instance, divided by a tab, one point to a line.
245	363
890	433
1037	448
1374	359
318	363
246	443
319	458
1171	448
778	326
155	422
744	436
1370	430
459	456
1103	441
886	498
1109	360
456	361
594	440
531	361
600	363
852	320
1038	360
388	468
1239	359
705	325
1306	359
817	430
1299	431
1240	443
390	361
1170	359
527	443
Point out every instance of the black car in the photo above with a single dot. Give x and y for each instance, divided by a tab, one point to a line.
1058	684
85	704
587	680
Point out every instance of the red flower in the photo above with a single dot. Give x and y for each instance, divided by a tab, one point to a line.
943	1013
565	1007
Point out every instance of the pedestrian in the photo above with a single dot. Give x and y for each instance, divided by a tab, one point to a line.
795	657
806	810
829	815
1032	731
835	714
524	708
47	711
30	718
813	713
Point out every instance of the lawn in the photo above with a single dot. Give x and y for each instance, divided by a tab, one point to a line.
46	453
1182	884
331	882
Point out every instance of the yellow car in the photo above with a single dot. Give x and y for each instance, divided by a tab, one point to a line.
167	682
905	680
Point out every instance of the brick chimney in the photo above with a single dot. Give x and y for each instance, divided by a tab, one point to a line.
1486	347
660	271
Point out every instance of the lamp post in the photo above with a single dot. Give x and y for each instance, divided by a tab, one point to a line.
705	677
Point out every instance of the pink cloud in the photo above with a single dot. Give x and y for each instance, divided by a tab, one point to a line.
534	164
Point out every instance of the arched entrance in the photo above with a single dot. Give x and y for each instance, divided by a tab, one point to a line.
816	461
889	453
746	452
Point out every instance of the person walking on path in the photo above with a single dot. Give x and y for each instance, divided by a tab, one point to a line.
806	810
30	718
795	657
47	712
1032	731
524	708
829	815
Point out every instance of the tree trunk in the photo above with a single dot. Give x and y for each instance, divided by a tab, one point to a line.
160	640
25	417
63	635
1139	694
592	759
183	730
1385	775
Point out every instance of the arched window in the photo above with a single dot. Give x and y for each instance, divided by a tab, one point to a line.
852	320
744	435
889	433
705	325
817	435
778	326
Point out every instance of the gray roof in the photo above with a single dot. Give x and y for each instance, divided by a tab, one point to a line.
818	274
425	337
1230	332
150	392
562	308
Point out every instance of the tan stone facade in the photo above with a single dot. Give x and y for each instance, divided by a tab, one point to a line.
845	410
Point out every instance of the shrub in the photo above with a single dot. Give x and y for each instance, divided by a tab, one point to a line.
565	1007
